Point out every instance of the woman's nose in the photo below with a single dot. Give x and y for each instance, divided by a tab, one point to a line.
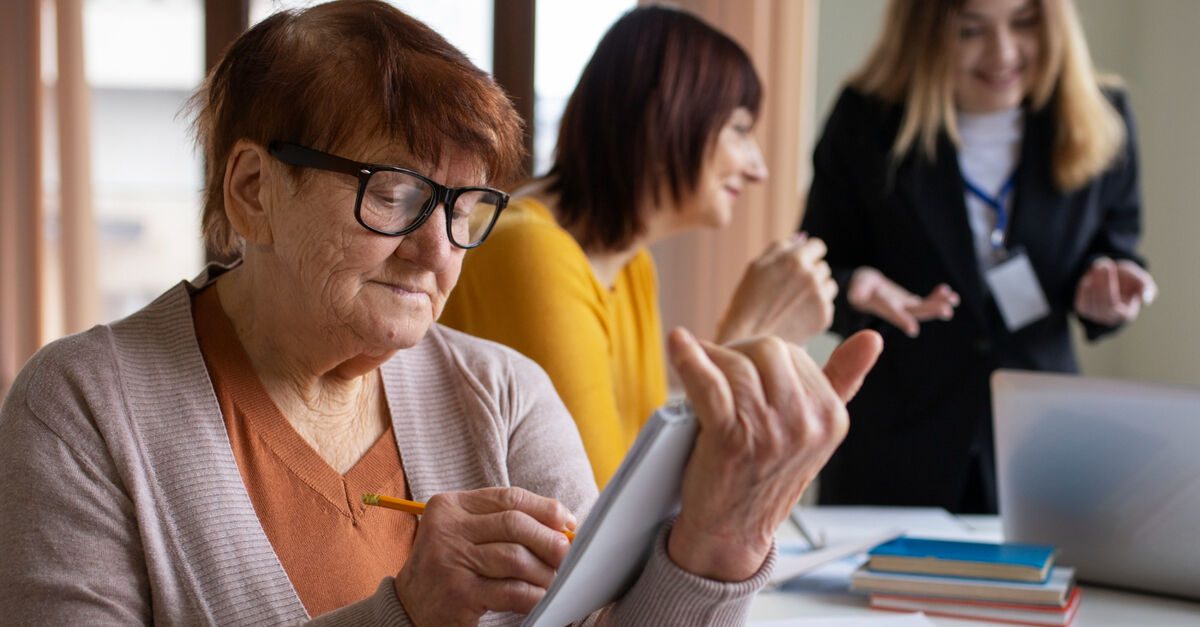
756	167
429	245
1004	47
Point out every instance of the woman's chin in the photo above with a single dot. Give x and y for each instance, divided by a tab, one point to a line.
396	337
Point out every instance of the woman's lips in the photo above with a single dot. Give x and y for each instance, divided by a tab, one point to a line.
402	290
1000	80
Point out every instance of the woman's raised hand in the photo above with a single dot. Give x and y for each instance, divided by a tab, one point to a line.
494	549
769	420
788	291
1113	292
873	293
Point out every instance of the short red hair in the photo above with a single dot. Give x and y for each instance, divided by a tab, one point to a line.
335	75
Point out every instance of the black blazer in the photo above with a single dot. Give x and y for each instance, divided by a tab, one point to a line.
922	421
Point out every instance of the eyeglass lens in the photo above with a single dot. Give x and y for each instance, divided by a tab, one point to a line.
393	201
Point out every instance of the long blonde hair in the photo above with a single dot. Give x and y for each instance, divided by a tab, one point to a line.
912	64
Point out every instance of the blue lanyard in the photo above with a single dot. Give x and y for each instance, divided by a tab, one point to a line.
997	205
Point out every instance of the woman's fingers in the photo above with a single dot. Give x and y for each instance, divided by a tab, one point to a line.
1112	292
781	292
516	527
493	549
510	560
547	511
509	595
895	310
761	375
872	292
703	382
812	251
1136	282
851	361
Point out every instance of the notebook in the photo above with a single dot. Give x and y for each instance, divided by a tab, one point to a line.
615	541
1053	591
988	560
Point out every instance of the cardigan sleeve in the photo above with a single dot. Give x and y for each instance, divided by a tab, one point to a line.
68	530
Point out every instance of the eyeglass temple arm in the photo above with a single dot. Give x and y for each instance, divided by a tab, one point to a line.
295	154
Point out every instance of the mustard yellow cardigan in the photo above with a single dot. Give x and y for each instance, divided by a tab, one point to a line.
530	286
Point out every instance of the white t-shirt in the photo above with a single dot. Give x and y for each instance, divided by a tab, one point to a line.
987	156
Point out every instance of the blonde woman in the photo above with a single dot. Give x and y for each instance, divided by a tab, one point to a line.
977	185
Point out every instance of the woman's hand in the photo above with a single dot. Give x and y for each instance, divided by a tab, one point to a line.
871	292
788	291
1113	292
494	549
769	420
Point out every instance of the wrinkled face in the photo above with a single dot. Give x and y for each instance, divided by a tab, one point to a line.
383	292
734	162
998	43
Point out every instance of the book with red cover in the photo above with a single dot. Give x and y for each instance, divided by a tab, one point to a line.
1013	613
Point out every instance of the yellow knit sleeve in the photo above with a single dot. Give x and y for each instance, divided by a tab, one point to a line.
530	287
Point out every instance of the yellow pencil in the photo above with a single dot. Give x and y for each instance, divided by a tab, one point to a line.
415	508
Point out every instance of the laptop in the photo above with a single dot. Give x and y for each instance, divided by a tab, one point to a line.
1106	471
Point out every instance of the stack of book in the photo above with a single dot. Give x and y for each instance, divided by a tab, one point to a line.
1005	583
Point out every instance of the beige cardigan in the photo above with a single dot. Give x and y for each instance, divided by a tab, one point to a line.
121	502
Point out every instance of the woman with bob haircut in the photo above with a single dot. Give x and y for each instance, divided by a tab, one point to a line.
203	460
655	139
977	184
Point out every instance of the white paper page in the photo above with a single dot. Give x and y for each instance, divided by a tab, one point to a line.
795	559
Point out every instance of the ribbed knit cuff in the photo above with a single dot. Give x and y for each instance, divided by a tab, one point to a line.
381	608
666	594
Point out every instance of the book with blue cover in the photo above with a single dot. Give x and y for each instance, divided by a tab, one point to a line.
952	558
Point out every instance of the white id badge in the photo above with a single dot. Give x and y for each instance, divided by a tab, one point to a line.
1017	291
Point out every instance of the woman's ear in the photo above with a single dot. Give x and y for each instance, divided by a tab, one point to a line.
247	179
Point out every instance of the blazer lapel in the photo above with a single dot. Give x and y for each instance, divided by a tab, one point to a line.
936	193
1036	217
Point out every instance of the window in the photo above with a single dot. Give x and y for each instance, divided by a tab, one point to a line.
143	59
567	34
465	23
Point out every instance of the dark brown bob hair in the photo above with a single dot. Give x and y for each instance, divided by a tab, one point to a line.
646	112
336	76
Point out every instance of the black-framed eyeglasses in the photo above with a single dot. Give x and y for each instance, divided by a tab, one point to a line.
396	201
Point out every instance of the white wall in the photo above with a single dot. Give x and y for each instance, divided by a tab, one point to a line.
1152	45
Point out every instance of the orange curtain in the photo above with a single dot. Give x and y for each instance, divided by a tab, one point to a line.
27	283
20	185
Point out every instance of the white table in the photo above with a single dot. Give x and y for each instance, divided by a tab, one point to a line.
826	592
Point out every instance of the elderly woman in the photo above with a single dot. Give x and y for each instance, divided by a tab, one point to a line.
201	461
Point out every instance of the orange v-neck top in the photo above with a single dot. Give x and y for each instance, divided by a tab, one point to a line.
334	549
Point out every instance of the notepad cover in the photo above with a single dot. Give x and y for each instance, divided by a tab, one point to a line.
615	541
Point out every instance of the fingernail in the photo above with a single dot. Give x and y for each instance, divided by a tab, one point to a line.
800	237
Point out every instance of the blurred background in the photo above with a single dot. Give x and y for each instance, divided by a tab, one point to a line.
100	182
